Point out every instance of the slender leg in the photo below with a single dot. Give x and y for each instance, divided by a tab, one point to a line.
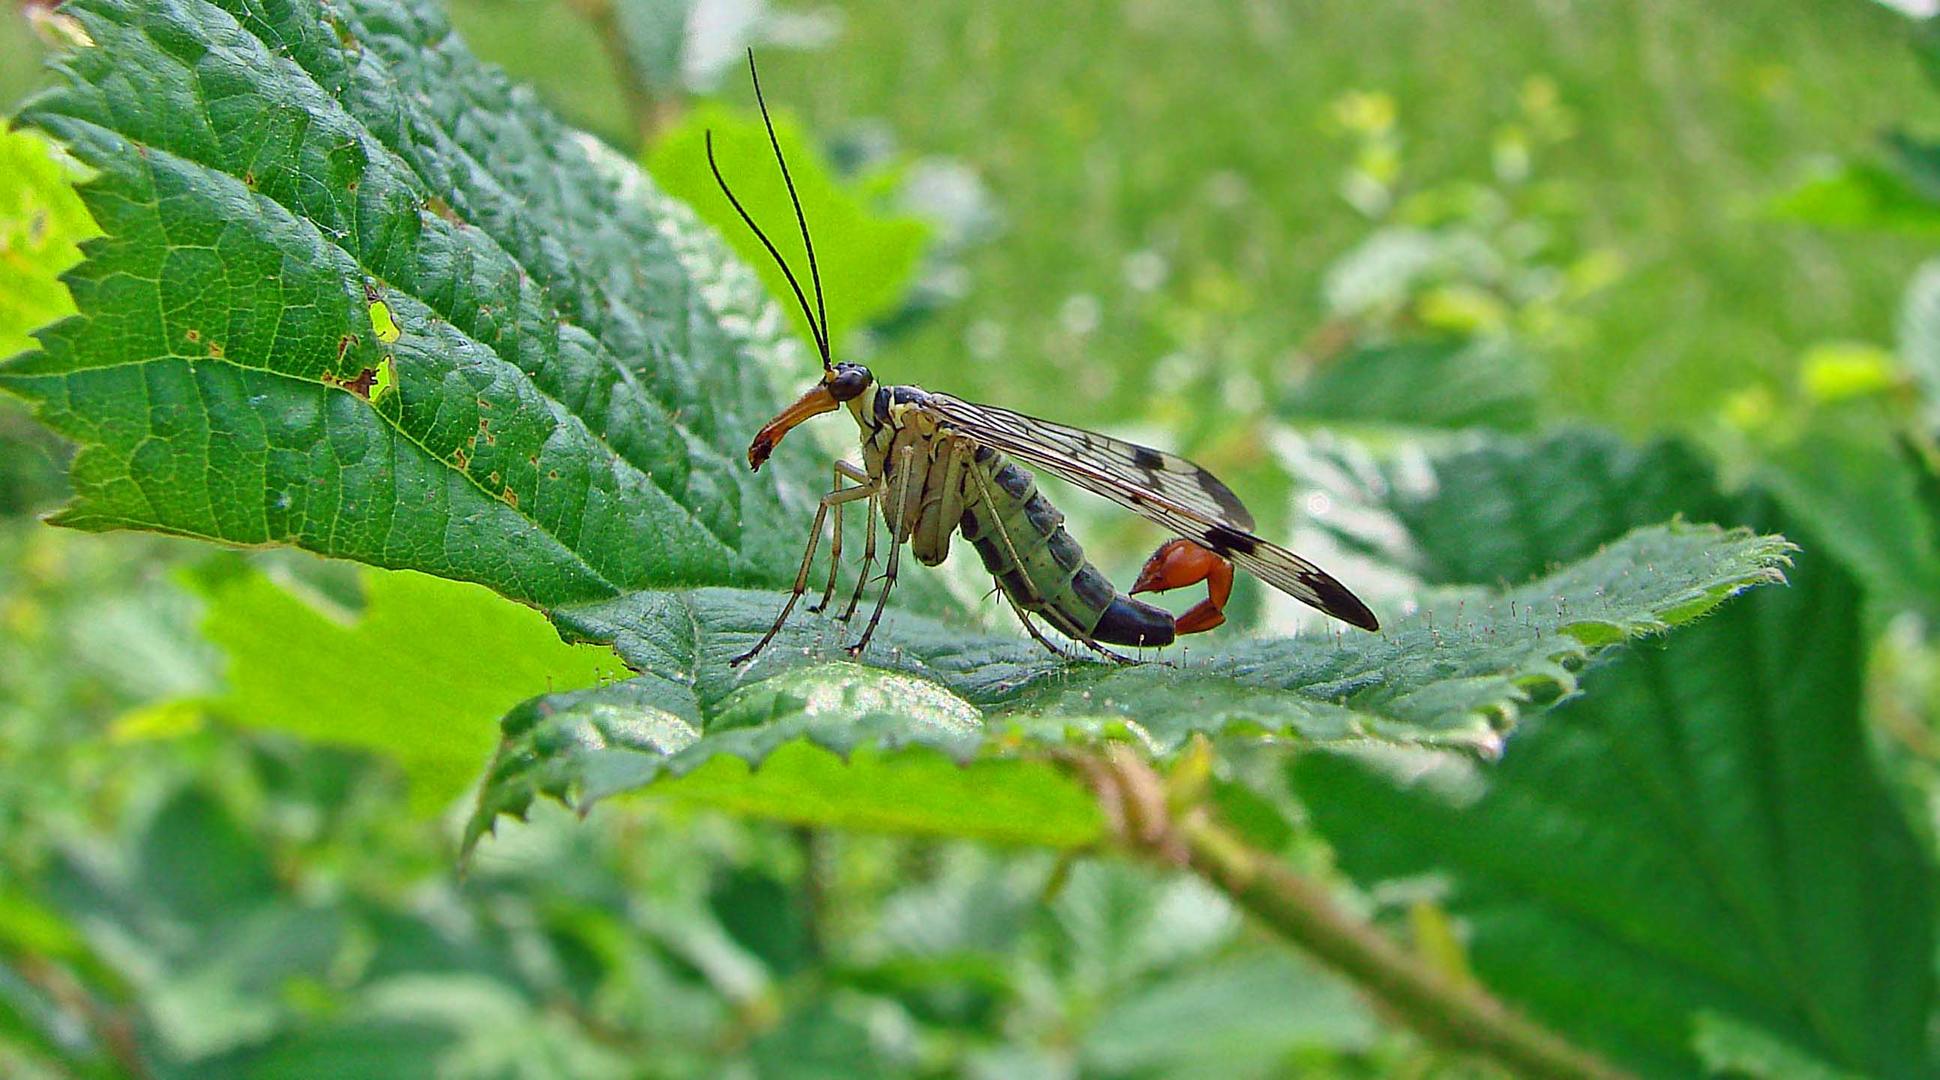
833	498
1050	614
874	511
903	469
843	471
1036	634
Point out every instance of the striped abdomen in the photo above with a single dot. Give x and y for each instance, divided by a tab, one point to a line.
1043	569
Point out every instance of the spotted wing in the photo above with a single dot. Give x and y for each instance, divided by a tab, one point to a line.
1160	487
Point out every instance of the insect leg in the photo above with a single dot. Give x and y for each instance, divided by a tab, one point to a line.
843	471
833	498
1178	563
1050	614
874	510
903	469
1036	634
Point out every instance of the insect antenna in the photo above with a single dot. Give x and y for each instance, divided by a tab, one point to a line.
814	273
821	340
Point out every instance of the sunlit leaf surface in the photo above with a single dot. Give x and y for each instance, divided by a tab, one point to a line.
1456	674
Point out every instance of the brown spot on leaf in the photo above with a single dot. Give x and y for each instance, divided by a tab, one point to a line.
511	498
193	334
249	179
359	384
343	346
460	458
443	209
215	350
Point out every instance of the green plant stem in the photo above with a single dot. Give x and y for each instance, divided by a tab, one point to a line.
1152	819
651	113
1448	1009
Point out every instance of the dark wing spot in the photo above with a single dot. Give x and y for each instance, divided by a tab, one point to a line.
1335	600
1147	458
1224	497
1226	541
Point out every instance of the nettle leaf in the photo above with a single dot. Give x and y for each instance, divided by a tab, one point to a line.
1482	510
1846	477
1702	833
1479	382
409	675
359	295
1693	860
1456	673
41	221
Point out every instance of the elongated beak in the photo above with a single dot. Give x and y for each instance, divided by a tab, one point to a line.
818	400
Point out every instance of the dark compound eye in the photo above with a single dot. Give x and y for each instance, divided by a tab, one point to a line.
850	380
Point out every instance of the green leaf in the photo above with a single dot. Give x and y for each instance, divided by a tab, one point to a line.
41	223
1243	1017
1702	833
414	675
868	258
1860	195
1862	493
1485	510
576	364
1919	336
1477	383
1457	681
1730	1048
818	1042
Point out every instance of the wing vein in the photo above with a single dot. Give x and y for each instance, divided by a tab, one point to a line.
1163	488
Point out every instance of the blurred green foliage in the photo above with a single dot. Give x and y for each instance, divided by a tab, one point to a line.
1170	174
866	257
1223	227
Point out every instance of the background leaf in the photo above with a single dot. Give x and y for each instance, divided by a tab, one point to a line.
409	675
1861	195
1479	383
867	255
41	223
1701	833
